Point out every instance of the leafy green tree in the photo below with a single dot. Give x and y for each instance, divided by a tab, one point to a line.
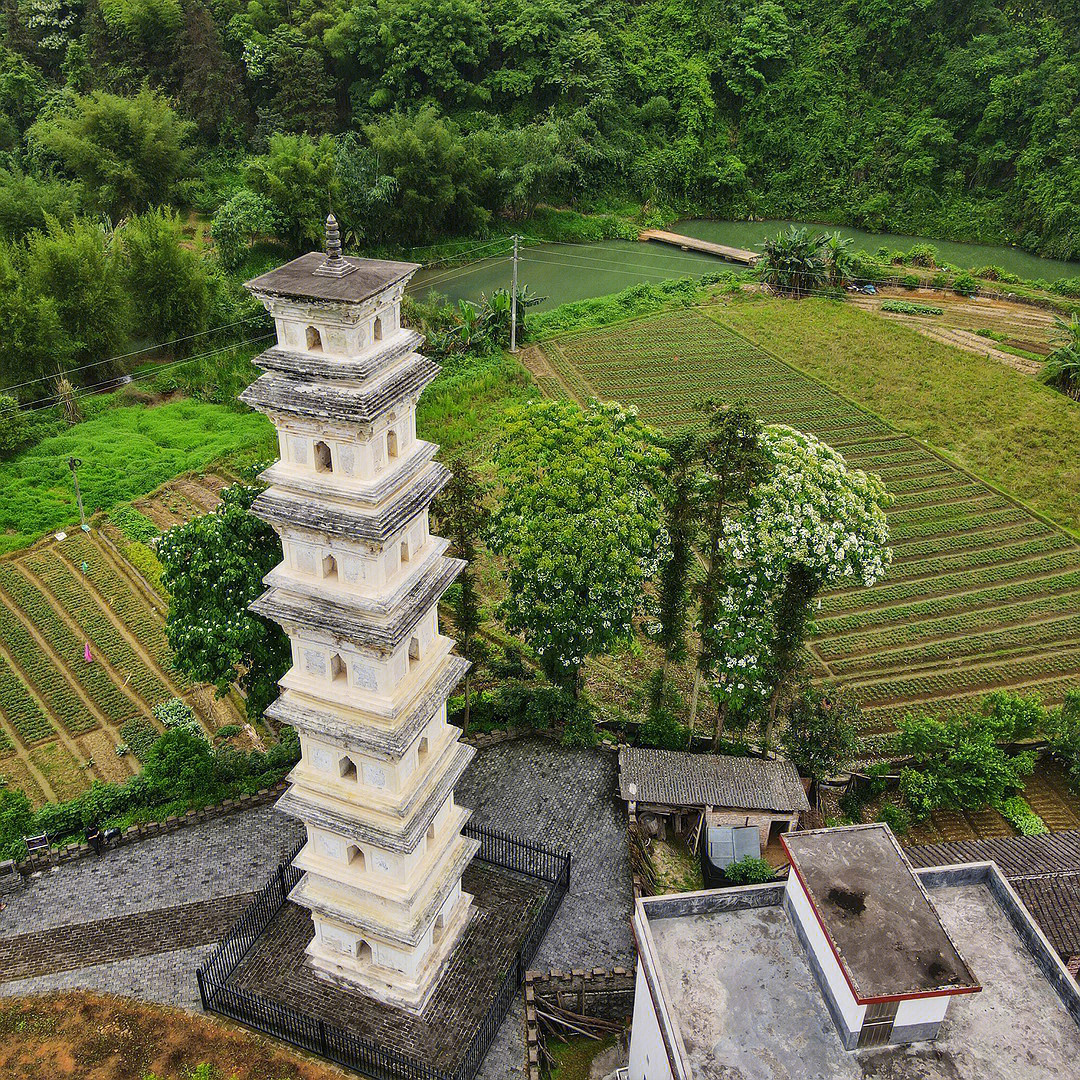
734	463
212	568
821	733
128	152
678	492
1064	735
439	177
578	527
144	21
16	821
461	512
296	178
169	279
28	202
957	763
793	263
14	428
243	217
72	280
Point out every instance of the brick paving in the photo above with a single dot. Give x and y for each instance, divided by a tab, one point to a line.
44	952
505	904
531	787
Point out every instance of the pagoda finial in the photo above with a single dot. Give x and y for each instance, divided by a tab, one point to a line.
334	265
333	239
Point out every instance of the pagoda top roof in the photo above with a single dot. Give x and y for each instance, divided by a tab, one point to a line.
356	279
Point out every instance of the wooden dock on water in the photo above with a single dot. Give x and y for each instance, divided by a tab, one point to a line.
706	247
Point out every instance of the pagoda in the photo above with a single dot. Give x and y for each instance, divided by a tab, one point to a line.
357	592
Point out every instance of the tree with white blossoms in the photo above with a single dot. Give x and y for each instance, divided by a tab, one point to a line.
814	523
212	568
579	527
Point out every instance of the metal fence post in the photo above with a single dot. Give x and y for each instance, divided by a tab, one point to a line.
202	987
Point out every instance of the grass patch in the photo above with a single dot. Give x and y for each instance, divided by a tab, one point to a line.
126	452
677	870
995	421
573	1057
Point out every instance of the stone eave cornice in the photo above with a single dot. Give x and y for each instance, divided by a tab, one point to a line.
330	486
296	362
303	778
334	725
324	401
311	899
349	622
338	519
315	812
378	606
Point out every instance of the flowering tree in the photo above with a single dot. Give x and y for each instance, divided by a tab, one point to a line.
813	523
579	528
213	568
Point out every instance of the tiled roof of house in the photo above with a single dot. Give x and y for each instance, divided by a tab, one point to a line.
1044	871
673	778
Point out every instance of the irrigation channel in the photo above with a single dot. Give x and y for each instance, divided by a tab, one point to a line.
565	272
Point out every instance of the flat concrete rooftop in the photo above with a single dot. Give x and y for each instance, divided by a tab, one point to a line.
886	933
746	1004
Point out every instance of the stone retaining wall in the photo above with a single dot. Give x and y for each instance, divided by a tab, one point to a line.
607	994
142	831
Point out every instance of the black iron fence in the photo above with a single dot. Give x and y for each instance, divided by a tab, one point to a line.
339	1046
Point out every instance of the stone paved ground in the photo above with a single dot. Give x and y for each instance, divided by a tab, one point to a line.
568	799
531	787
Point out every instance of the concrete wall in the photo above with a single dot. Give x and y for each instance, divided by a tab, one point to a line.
648	1055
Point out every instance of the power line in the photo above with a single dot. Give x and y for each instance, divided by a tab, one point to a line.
460	271
136	352
85	391
650	245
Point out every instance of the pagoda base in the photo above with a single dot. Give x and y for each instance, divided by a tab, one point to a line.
390	987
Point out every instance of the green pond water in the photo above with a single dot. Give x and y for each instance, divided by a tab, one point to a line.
750	234
565	272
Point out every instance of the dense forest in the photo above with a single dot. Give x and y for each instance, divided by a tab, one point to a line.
123	122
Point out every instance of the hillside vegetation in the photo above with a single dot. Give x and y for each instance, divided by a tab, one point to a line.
955	118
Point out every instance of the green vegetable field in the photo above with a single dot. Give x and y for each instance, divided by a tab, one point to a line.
982	594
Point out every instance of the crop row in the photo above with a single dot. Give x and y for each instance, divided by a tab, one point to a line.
23	713
47	679
984	501
92	678
960	521
121	597
917	470
958	542
935	565
969	648
925	480
866	641
77	600
900	591
943	605
960	680
937	496
5	744
882	718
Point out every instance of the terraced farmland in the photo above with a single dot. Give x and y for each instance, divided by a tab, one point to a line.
982	593
60	716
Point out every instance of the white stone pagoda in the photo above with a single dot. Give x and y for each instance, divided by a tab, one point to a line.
357	592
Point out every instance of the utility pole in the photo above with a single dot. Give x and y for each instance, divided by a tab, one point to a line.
513	301
73	464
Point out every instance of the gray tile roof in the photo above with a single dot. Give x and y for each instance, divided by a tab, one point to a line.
1044	871
298	279
674	778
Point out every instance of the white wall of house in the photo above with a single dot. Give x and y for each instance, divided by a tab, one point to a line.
648	1055
803	911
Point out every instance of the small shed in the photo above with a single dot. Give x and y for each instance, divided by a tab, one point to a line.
673	789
